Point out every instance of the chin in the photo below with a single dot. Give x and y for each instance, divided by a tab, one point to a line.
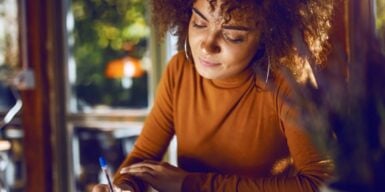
211	76
205	74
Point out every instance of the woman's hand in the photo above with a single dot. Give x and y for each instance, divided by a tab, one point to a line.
160	175
106	188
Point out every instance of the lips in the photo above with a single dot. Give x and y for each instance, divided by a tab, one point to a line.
207	63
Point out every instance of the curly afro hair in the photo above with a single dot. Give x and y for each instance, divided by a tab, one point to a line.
288	26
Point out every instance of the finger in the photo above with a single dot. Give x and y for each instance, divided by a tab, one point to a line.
157	164
106	188
118	189
146	163
123	187
165	164
100	188
137	169
124	170
145	176
145	173
142	167
156	167
151	162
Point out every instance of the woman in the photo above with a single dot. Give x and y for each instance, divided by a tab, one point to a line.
227	102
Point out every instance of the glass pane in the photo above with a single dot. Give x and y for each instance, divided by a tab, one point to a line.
89	143
109	58
12	170
8	50
380	22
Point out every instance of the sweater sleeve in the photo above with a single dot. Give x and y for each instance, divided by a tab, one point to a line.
157	132
311	172
312	168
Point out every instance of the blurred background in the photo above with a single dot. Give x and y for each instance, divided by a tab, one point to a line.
77	79
83	73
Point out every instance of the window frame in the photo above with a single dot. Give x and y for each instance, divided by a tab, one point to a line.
114	119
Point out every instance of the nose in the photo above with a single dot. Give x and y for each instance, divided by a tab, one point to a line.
210	45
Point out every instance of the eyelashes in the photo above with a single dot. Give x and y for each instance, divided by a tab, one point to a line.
233	39
236	39
198	25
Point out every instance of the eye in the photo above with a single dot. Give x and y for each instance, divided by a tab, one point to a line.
198	24
233	38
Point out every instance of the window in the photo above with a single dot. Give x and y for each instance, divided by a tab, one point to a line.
9	48
111	75
109	60
12	171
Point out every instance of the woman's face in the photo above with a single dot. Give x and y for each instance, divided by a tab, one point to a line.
220	50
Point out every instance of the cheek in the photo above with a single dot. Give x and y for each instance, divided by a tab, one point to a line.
194	38
247	53
239	57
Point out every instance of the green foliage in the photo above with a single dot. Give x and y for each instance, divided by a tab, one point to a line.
380	21
102	27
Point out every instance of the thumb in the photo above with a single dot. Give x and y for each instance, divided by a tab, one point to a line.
100	188
124	188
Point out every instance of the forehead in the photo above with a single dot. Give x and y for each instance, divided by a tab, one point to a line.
230	11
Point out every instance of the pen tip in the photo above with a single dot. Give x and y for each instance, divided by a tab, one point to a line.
102	162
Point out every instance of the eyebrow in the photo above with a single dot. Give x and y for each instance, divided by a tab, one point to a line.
229	27
199	13
236	27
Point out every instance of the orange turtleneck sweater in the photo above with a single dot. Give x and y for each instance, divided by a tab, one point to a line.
237	134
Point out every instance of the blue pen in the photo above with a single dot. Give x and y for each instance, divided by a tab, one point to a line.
103	165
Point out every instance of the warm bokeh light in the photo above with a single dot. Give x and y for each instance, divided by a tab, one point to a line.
124	67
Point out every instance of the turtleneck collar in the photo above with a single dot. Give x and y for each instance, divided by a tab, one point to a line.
234	81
